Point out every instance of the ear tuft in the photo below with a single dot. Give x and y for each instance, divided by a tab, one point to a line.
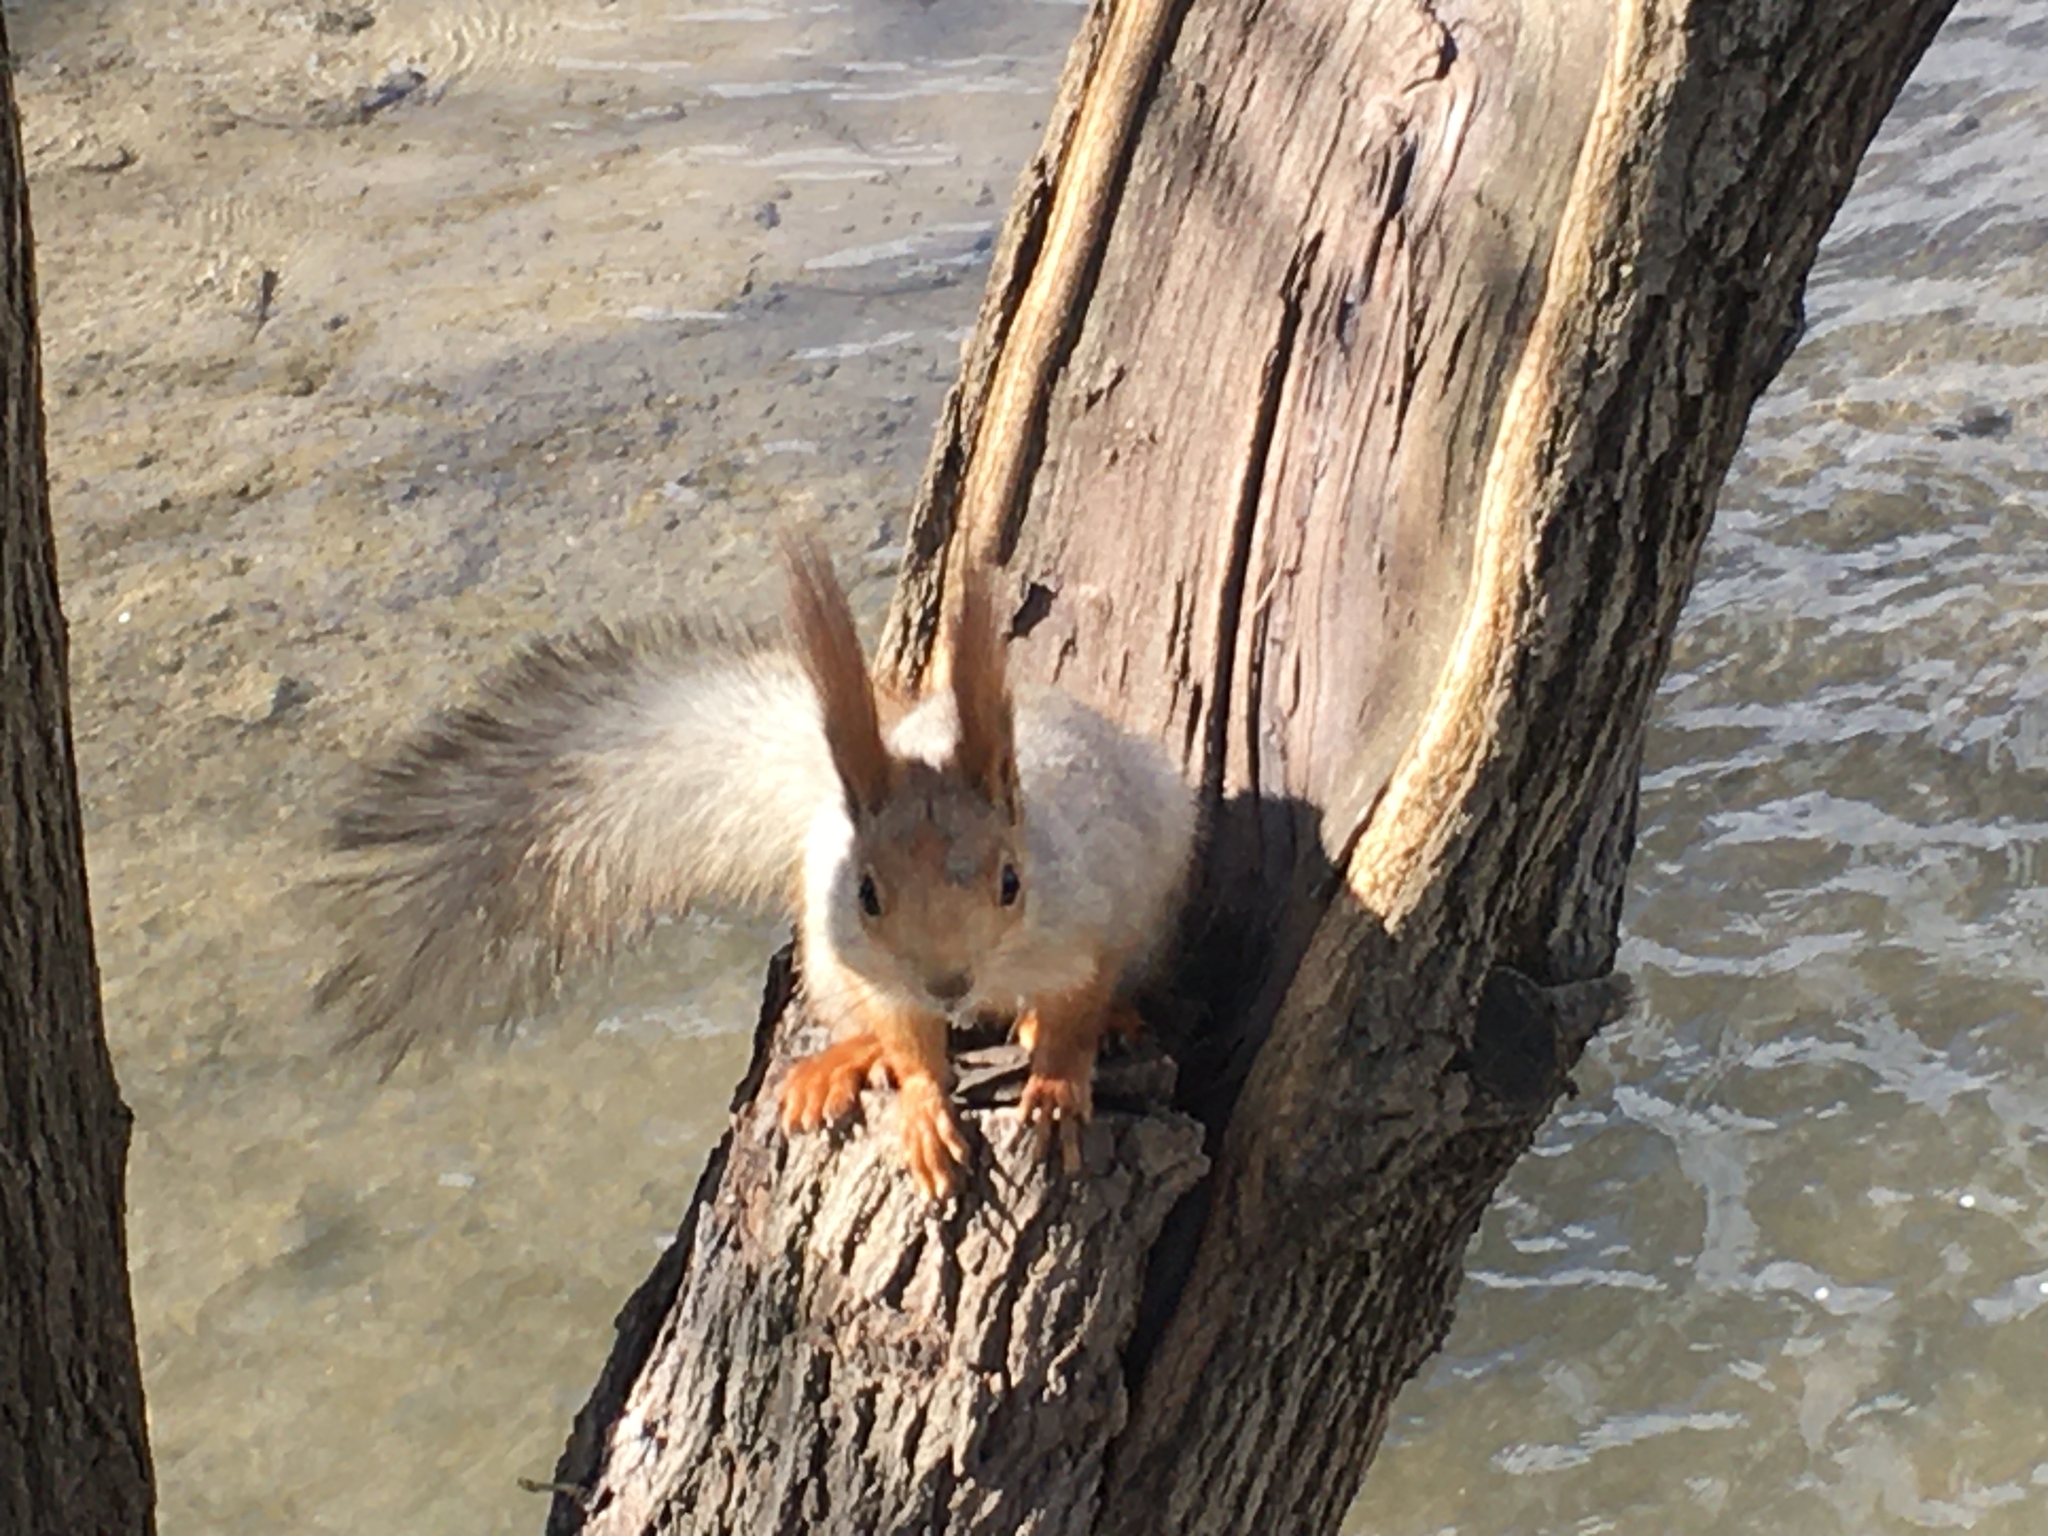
977	673
821	626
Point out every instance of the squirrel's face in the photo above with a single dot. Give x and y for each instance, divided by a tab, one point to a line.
931	884
938	886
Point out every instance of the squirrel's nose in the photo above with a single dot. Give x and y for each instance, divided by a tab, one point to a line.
949	988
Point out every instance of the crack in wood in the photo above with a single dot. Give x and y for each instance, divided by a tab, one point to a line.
1314	1270
1009	435
1244	524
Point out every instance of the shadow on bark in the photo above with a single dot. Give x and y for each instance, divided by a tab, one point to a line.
1380	506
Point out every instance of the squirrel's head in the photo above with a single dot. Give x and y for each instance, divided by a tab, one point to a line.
936	883
935	879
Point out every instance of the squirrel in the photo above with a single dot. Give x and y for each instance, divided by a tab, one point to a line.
950	857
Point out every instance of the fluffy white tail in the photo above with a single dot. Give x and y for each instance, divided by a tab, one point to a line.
596	785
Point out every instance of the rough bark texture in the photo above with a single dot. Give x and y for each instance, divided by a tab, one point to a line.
925	1362
1349	414
74	1460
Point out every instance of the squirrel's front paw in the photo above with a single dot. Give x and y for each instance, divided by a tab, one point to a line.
1057	1103
933	1148
824	1089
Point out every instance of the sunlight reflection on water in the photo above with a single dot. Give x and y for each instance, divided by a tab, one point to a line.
1778	1269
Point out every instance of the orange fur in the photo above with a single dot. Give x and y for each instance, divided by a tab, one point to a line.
910	1047
829	648
604	781
824	1089
977	675
1063	1033
933	859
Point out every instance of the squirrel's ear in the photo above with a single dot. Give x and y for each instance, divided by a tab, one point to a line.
978	677
821	624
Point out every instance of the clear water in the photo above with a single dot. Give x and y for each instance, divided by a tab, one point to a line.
1783	1266
612	287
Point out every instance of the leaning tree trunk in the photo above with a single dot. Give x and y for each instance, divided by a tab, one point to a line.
1347	408
74	1458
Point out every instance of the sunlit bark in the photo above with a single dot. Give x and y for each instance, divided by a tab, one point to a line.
1347	407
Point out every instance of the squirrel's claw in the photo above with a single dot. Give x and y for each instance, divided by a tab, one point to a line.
933	1147
1058	1104
824	1089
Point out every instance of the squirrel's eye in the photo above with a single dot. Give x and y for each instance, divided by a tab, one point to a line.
1012	886
870	899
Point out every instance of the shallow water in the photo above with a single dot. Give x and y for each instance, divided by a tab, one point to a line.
1783	1266
556	329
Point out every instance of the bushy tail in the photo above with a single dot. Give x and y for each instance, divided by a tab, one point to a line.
596	785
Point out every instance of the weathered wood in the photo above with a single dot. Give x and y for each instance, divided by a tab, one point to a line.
1351	417
74	1460
819	1352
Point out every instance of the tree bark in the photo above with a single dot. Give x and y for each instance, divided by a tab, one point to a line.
74	1456
1347	408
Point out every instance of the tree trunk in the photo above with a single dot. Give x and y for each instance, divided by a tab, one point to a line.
74	1457
1347	407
